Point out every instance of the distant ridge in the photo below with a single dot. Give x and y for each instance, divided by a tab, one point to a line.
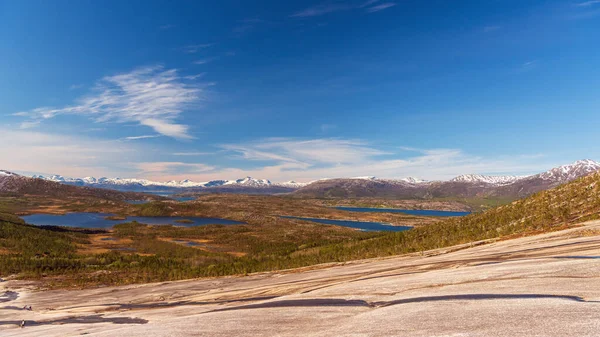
466	185
14	184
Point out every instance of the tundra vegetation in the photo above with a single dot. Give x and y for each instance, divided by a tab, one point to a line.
134	252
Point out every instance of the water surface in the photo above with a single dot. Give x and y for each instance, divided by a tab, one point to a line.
98	220
421	212
362	225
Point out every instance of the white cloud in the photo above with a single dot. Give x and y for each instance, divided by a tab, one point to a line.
165	127
150	96
191	153
160	169
47	153
194	48
278	159
327	127
140	137
307	160
194	77
204	61
380	7
306	152
588	3
339	6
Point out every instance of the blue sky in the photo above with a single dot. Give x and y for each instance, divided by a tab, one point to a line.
297	89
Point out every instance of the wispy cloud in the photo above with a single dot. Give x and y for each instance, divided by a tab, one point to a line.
149	96
204	61
528	66
588	3
247	25
380	7
47	153
305	160
76	86
169	168
323	9
194	77
30	124
279	159
306	152
140	137
339	6
194	48
327	127
191	153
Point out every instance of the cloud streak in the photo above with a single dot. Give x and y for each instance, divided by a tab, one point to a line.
305	160
194	48
140	137
380	7
150	96
588	3
339	6
48	153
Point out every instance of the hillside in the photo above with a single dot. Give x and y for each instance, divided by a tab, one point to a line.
465	186
270	243
16	185
545	211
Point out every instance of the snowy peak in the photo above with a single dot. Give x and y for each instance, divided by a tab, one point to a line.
249	181
412	180
569	172
186	183
492	180
291	184
4	173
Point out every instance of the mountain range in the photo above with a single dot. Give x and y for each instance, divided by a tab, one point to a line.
464	186
468	185
12	184
142	185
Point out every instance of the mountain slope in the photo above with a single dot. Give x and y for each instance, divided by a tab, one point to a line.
465	186
492	180
247	184
566	205
13	184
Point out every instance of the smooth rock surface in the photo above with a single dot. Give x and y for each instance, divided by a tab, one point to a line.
544	285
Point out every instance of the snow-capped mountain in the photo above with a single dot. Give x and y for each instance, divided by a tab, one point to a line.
292	184
6	173
409	186
492	180
559	174
412	180
141	183
249	181
569	172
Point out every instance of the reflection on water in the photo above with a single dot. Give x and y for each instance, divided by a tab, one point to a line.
98	220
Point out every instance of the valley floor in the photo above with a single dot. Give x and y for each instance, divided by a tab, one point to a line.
544	285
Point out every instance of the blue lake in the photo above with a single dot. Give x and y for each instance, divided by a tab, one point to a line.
97	220
422	212
362	225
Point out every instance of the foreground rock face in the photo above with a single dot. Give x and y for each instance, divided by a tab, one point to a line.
546	285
